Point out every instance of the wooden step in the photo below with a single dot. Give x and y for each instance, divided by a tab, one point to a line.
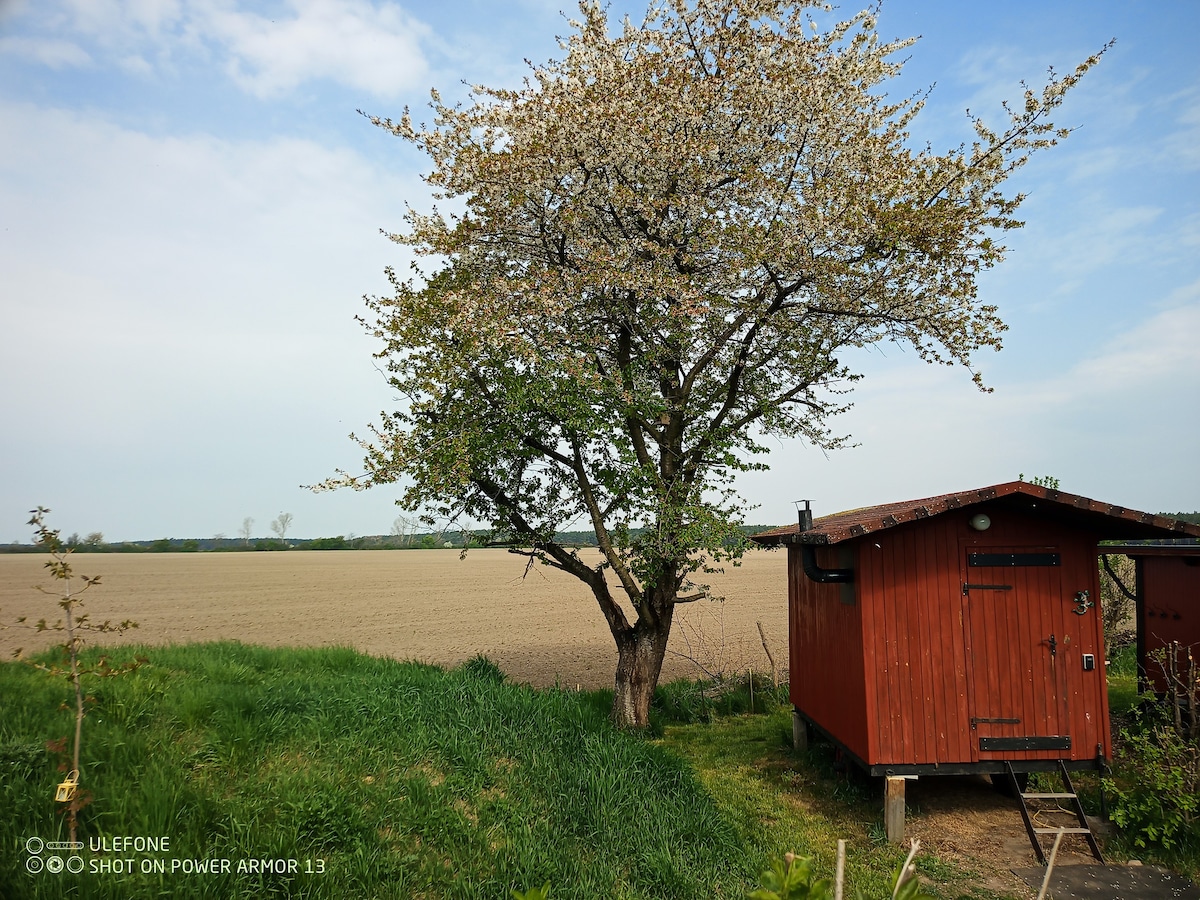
1068	793
1051	796
1063	830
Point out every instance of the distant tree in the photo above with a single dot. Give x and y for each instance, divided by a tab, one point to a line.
331	543
94	539
246	530
281	524
666	241
1193	517
403	528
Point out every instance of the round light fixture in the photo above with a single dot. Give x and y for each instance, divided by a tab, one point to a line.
980	522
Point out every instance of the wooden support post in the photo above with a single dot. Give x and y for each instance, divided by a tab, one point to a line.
893	809
839	880
799	732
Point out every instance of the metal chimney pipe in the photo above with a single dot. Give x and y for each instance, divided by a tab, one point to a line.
805	515
808	554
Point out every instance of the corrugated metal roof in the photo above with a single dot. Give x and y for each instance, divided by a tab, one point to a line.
1115	522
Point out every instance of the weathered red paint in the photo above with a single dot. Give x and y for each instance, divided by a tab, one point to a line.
1168	605
906	667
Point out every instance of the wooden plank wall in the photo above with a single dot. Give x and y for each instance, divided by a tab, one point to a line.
1171	609
915	662
826	653
913	642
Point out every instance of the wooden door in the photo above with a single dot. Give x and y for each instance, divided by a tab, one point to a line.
1014	631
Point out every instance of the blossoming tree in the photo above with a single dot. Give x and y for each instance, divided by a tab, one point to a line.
667	238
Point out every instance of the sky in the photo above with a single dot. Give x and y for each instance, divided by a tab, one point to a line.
191	211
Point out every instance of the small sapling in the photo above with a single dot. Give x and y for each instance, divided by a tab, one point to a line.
74	624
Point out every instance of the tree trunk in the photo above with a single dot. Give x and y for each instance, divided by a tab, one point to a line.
640	653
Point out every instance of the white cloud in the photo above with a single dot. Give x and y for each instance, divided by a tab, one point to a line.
1106	237
1156	356
56	54
119	21
136	65
1182	147
372	47
185	305
1117	425
355	43
82	196
1162	349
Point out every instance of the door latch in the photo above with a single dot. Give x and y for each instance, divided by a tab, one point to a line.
1053	642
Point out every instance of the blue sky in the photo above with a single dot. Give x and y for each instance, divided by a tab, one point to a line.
190	213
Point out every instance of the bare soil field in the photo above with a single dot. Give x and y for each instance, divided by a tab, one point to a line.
541	627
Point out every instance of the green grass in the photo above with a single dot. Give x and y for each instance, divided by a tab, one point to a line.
1122	683
779	801
405	780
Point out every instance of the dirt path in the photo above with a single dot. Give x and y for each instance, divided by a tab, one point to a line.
963	819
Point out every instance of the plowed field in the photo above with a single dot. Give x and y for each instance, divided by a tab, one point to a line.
540	626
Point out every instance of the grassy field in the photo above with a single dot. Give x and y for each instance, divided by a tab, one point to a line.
330	772
383	779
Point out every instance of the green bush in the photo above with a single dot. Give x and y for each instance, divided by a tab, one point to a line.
329	543
1155	784
792	878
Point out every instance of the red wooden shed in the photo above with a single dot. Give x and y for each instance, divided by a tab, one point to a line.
1166	601
957	634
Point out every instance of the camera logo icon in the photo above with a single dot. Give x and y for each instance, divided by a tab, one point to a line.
36	863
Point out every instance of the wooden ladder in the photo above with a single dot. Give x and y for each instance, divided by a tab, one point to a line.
1068	793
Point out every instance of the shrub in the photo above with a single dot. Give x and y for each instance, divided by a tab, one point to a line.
1156	778
1155	786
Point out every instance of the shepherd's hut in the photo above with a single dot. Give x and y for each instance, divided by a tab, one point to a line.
956	634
